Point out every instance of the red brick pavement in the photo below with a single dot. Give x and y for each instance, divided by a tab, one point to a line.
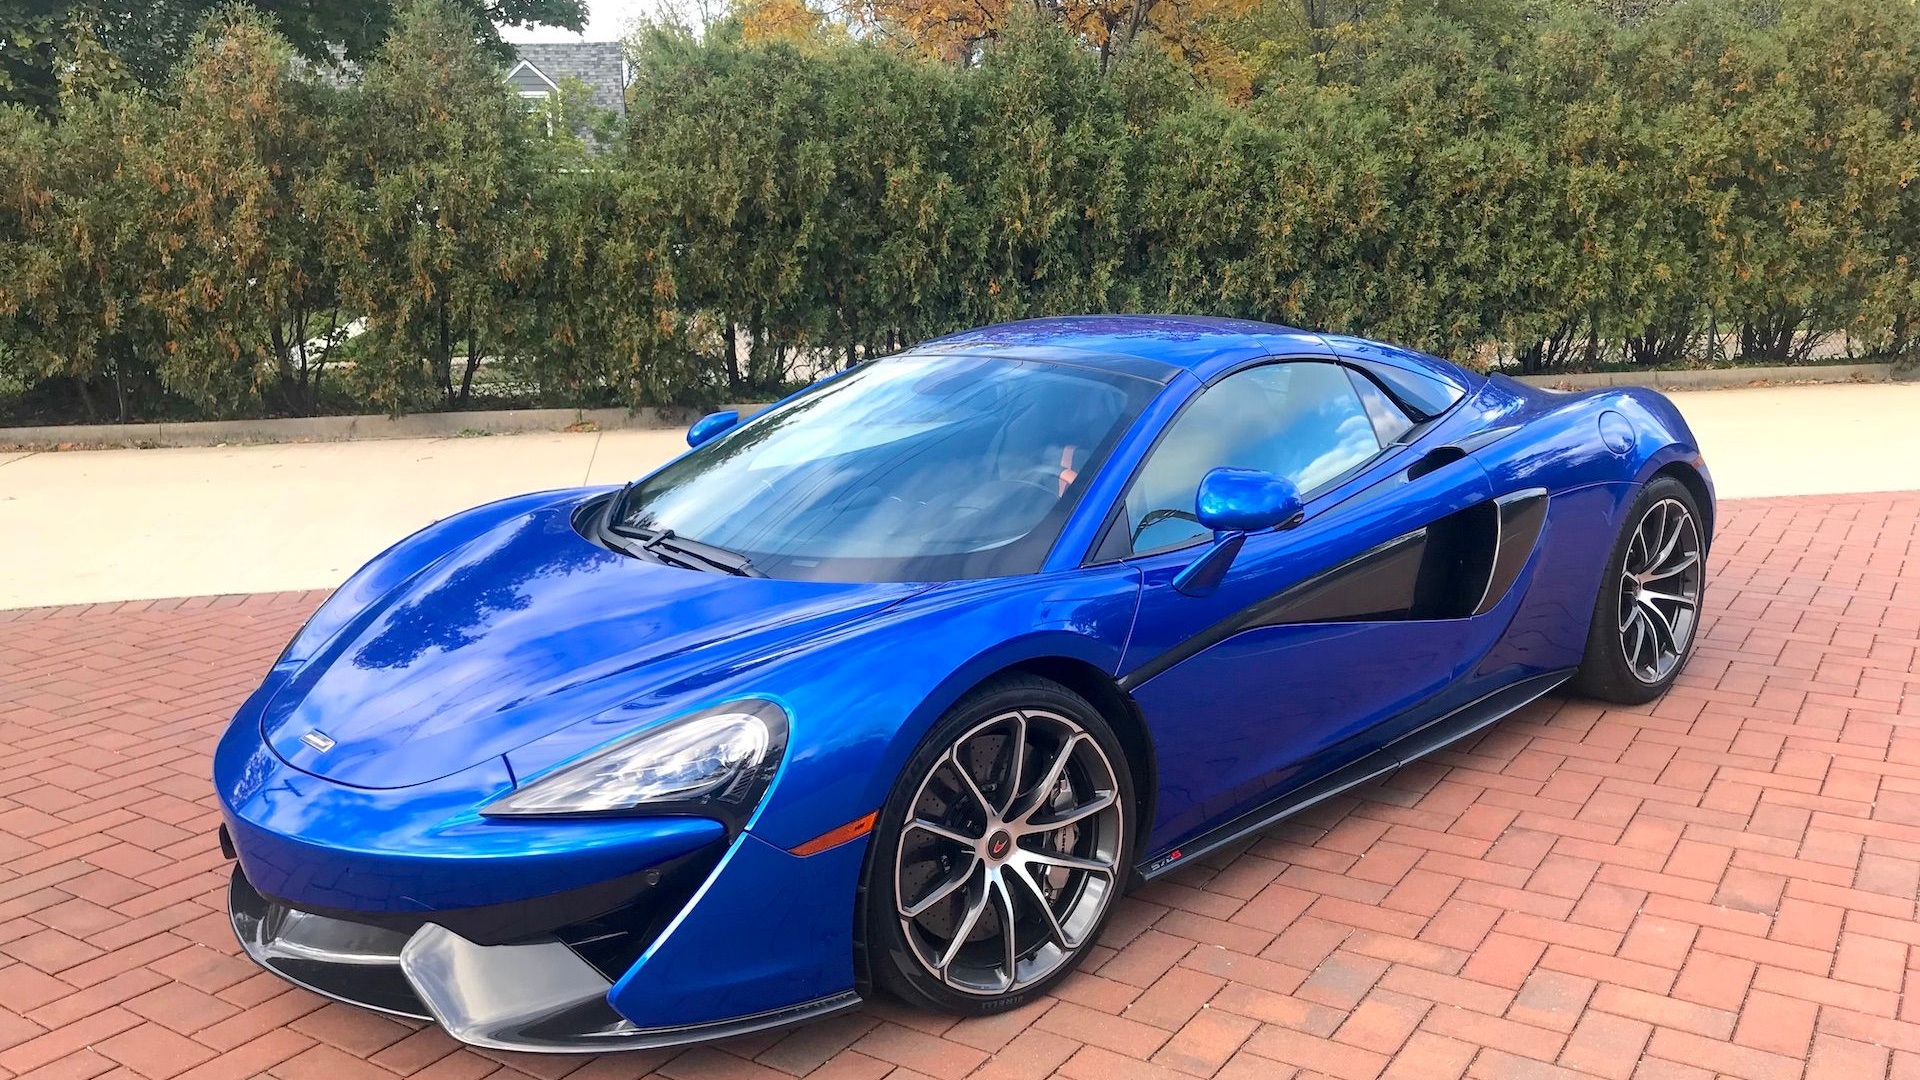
1722	883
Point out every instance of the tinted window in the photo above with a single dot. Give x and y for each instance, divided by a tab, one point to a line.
1389	422
910	469
1304	421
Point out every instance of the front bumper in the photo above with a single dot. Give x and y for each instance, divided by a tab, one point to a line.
627	932
539	995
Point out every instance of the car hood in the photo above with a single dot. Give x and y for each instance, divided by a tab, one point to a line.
517	631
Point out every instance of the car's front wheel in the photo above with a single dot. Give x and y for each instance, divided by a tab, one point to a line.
1002	850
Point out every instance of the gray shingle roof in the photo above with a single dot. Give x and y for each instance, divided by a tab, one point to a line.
601	65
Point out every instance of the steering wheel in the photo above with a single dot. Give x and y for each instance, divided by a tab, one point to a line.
1044	477
994	511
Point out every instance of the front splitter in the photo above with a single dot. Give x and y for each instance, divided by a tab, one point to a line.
537	996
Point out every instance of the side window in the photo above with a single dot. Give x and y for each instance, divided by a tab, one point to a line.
1304	420
1388	421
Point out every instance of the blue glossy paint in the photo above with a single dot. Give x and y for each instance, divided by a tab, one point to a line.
710	425
1199	345
501	642
418	849
1245	500
724	957
465	660
859	697
1271	700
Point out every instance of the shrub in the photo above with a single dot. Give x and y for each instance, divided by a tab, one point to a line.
1532	183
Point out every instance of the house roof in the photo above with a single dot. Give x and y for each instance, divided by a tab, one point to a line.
601	65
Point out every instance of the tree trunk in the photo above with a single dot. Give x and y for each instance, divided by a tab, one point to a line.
1663	343
1317	43
120	379
443	362
1770	337
473	362
732	337
756	354
310	373
283	357
297	358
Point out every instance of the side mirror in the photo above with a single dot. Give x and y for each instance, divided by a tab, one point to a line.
1233	503
710	425
1245	500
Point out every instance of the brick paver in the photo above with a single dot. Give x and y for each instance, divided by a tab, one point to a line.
1722	883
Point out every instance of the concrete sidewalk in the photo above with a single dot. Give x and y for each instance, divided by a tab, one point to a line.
87	527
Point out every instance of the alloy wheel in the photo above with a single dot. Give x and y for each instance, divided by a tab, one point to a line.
1010	853
1660	586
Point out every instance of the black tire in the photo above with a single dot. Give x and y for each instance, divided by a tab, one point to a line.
993	853
1637	646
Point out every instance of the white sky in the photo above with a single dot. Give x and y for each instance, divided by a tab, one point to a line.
607	20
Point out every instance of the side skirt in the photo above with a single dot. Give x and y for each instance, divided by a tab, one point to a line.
1448	729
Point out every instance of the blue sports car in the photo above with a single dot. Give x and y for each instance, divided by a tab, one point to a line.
898	685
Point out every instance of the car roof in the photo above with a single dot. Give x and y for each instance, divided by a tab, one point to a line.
1158	346
1183	341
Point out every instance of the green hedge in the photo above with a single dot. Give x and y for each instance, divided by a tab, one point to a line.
1723	180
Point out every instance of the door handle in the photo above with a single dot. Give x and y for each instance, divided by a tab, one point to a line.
1441	456
1435	459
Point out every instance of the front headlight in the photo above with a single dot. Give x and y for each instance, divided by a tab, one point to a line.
716	762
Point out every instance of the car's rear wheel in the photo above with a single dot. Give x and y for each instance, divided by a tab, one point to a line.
1648	612
1002	850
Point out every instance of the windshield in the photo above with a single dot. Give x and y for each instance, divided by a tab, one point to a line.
914	468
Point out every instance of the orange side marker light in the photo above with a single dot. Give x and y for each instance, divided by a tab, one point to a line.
852	830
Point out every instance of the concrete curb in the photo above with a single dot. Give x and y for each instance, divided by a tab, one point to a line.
447	425
1715	378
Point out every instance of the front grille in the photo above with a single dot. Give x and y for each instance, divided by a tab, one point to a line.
640	903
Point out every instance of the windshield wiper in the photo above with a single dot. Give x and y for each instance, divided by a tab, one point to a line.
614	505
638	549
664	546
730	562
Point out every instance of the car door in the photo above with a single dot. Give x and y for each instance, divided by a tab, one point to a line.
1320	635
